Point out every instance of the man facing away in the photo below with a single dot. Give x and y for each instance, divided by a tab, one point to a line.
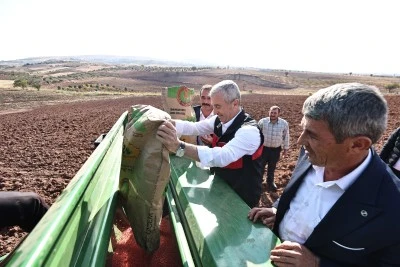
235	152
204	111
341	206
276	136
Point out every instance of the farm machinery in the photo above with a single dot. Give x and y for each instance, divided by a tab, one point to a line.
208	218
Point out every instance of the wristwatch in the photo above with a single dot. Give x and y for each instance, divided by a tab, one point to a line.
181	150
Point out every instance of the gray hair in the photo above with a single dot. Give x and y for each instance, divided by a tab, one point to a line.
350	109
229	89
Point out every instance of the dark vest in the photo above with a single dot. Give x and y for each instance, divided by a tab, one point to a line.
245	174
197	112
390	152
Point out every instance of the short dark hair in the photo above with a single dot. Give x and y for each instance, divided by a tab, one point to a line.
275	107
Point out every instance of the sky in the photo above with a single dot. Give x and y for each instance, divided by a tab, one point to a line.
308	35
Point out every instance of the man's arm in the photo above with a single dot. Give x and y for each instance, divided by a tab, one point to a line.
286	140
167	135
246	142
191	152
261	123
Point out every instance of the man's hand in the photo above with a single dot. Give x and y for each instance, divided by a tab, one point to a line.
266	215
206	139
293	254
167	135
285	153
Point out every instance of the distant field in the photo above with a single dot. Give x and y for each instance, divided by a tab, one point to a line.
94	79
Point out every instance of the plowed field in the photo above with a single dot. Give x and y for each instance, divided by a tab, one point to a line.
42	148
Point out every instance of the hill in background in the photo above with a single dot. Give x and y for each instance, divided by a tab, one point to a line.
146	75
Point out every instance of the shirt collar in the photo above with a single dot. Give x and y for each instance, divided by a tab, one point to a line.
277	121
209	116
346	181
229	123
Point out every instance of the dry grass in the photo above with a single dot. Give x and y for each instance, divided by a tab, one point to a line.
6	84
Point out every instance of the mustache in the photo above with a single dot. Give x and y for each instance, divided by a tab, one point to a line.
205	104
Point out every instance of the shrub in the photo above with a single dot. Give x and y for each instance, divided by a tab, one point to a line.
23	83
36	85
392	86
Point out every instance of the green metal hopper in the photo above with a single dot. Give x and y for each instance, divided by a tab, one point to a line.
209	219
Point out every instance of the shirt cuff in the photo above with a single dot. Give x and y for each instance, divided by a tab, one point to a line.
205	155
179	127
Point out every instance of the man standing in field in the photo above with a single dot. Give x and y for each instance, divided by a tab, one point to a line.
204	111
235	152
276	136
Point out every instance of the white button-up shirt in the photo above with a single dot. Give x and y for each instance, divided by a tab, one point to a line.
202	117
313	200
246	141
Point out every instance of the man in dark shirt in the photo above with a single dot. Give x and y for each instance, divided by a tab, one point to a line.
24	209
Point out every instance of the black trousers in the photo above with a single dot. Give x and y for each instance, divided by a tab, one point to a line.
24	209
271	156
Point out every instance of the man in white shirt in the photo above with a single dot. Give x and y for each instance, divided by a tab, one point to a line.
341	206
235	152
204	111
276	136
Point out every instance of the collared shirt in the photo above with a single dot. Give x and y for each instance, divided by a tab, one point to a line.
246	141
275	134
313	200
202	117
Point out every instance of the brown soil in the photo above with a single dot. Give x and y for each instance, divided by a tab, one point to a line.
42	148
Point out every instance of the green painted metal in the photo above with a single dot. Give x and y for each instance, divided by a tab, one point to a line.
209	219
217	219
184	244
3	257
89	226
75	231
